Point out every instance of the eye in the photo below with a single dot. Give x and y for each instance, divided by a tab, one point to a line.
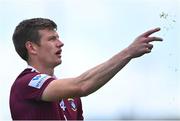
53	38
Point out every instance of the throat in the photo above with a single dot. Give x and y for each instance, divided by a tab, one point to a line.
44	70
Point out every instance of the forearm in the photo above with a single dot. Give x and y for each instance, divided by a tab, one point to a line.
96	77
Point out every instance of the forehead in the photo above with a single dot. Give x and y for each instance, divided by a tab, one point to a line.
47	33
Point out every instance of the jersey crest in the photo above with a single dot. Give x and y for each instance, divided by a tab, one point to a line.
72	104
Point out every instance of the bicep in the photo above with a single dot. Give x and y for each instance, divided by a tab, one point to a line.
62	88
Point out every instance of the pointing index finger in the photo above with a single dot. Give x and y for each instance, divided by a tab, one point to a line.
148	33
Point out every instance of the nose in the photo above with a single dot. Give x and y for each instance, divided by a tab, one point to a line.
59	43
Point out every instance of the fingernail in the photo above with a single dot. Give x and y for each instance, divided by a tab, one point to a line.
158	28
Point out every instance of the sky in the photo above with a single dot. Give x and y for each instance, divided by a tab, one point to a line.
93	31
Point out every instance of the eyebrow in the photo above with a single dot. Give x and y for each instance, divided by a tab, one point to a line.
53	36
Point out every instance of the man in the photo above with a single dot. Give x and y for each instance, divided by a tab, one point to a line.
38	94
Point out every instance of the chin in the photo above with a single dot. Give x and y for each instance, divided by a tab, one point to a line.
58	63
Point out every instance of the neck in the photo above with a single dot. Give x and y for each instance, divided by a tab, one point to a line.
43	69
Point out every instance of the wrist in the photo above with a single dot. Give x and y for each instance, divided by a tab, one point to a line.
127	54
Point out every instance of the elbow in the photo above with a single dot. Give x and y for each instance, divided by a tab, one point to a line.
84	91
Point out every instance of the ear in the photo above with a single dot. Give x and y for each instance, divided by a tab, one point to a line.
31	47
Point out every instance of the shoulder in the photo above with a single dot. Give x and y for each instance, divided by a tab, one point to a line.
32	78
25	75
30	84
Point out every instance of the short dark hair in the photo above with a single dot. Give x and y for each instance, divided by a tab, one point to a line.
27	30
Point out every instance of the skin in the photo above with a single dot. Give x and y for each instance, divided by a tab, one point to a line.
47	55
44	58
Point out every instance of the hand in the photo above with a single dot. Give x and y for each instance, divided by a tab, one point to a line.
142	45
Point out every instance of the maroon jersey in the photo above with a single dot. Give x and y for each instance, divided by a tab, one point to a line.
26	103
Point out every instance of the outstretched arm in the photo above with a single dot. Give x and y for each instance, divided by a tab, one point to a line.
95	78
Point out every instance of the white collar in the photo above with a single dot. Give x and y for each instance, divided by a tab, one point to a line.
35	70
32	68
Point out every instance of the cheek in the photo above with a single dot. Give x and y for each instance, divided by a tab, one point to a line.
47	49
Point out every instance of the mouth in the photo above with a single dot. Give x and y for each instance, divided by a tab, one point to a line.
58	53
